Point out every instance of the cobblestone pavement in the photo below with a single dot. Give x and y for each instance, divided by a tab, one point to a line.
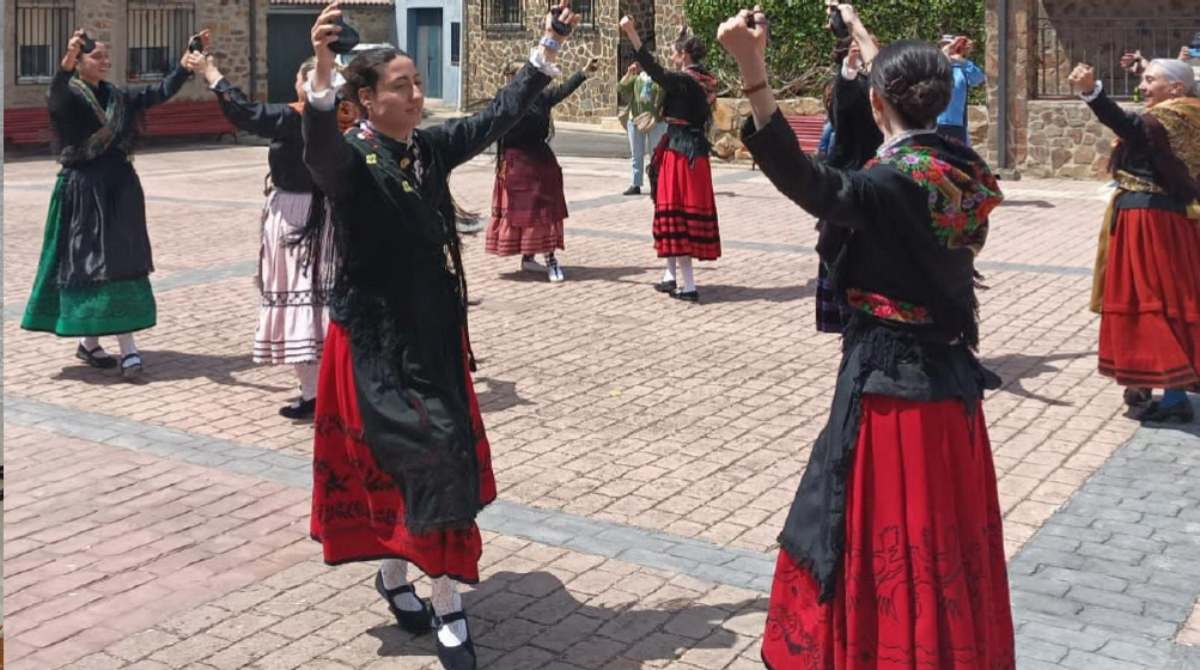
646	450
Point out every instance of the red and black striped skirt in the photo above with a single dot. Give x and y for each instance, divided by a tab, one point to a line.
685	210
1150	318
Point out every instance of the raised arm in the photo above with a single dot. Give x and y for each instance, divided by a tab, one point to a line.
328	157
269	120
847	198
556	94
164	90
975	76
59	95
459	140
1127	125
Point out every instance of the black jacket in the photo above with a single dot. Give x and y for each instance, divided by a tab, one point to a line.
401	294
281	124
102	206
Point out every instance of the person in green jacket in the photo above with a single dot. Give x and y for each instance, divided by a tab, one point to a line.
643	120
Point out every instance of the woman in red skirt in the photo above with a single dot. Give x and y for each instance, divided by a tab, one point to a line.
892	555
1147	283
401	465
685	211
528	207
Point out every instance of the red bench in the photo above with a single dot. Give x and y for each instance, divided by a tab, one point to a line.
31	125
807	129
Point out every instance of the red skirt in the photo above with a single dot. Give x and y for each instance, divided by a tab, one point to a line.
1150	319
357	510
685	210
528	206
923	584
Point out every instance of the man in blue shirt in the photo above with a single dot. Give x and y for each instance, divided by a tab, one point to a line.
953	122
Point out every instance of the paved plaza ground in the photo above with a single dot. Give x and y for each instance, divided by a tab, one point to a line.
646	449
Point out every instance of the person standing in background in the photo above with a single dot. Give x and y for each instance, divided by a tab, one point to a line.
643	120
953	122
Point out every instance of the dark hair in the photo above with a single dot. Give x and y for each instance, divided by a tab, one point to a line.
364	70
690	45
914	77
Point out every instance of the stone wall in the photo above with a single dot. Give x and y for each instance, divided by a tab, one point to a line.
105	20
492	48
1066	140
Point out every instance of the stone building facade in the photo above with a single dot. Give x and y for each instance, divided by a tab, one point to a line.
141	33
138	33
502	31
1049	131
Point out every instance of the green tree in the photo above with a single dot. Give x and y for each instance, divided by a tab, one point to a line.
800	50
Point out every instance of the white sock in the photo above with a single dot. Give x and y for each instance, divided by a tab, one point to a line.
446	600
395	575
307	373
89	343
125	341
685	271
669	275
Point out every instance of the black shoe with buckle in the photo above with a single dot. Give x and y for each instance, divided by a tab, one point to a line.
461	657
301	409
633	190
665	286
686	296
1177	413
417	622
92	358
131	366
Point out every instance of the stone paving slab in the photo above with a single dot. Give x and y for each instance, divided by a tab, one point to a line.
608	407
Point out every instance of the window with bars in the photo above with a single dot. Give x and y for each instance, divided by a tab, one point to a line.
583	8
503	14
43	30
158	34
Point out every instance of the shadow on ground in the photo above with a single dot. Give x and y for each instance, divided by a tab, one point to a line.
1014	368
498	395
582	273
521	621
723	293
172	366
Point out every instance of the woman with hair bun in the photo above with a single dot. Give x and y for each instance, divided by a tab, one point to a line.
401	463
892	555
685	209
1146	285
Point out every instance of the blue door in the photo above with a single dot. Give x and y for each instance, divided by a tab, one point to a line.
425	46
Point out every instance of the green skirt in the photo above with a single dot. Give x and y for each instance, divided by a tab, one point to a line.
110	308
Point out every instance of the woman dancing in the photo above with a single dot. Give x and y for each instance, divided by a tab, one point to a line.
685	209
93	274
892	553
401	463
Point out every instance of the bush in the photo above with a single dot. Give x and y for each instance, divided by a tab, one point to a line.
800	51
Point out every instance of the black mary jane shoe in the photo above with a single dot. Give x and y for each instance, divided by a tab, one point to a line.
461	657
131	366
1178	413
419	622
665	286
104	362
686	296
301	409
